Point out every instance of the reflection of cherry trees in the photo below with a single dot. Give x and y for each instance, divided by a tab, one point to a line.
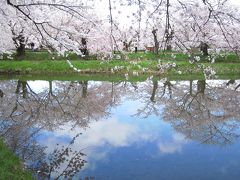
62	103
151	94
201	110
26	111
63	162
204	112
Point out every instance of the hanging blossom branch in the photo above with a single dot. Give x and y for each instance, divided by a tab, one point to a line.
72	9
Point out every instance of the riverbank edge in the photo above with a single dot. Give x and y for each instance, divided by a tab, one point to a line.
11	166
116	67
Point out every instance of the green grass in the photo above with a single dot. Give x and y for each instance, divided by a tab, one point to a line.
41	62
44	55
94	66
10	165
164	55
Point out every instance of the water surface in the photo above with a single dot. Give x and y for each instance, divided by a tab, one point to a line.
157	129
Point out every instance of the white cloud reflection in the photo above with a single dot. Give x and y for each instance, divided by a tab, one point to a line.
103	136
173	145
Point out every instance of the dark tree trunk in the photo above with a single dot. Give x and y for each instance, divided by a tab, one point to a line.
50	88
155	86
84	49
1	93
169	85
24	89
156	43
20	52
169	47
21	47
191	87
201	86
84	88
23	85
204	48
126	45
135	49
168	31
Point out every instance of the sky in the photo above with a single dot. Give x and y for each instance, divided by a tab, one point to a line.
235	2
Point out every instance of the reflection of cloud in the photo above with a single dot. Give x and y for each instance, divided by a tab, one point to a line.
103	136
110	132
38	86
113	133
173	146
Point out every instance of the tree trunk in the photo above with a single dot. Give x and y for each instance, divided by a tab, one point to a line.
156	43
21	48
201	86
84	88
190	87
23	85
84	49
204	48
20	52
1	93
155	86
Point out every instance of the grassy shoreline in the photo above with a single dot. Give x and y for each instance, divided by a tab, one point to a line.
135	64
10	165
149	67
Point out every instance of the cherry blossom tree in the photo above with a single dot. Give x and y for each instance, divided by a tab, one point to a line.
52	24
64	25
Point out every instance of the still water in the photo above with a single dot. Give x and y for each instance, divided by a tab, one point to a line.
150	130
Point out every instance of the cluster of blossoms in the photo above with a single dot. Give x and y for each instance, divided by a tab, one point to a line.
163	67
105	56
117	56
135	73
144	69
9	56
126	76
110	56
211	59
116	69
208	72
134	63
173	56
193	59
197	58
71	66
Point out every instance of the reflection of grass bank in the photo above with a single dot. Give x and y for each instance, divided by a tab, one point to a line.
112	67
110	77
10	166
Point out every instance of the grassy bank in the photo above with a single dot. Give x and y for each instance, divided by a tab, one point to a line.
137	63
111	67
10	165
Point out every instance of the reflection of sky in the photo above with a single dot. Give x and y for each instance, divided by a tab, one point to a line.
121	131
38	86
128	147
